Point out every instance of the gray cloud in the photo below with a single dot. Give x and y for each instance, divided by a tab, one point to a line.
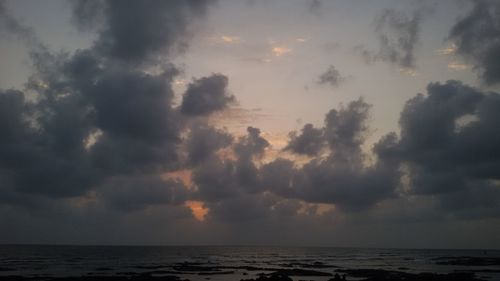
350	187
216	180
452	158
243	208
16	28
346	128
134	193
278	175
203	141
398	47
310	141
331	76
132	104
222	179
130	32
398	36
477	37
342	178
56	135
94	118
92	146
206	95
252	144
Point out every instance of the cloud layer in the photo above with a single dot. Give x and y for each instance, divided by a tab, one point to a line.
477	38
100	138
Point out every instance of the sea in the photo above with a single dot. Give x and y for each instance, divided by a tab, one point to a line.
234	262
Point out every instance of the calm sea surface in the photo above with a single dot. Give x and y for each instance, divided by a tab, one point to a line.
233	262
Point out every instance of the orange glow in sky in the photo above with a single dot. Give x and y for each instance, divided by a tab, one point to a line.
198	209
279	51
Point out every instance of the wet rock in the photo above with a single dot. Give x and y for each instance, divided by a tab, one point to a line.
195	267
302	272
270	277
384	275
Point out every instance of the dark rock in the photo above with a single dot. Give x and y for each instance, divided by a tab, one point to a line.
384	275
194	267
270	277
302	272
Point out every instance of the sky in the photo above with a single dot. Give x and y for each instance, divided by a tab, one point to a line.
217	122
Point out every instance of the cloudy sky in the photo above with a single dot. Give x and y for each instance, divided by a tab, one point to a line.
285	122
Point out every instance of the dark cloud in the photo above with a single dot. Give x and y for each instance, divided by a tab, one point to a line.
398	36
206	95
278	175
93	118
309	142
331	76
138	31
67	221
129	118
216	180
33	133
342	178
346	128
253	144
135	193
450	160
87	144
203	141
135	105
250	147
350	187
220	179
477	38
243	208
449	142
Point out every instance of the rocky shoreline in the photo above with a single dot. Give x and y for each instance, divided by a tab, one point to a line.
471	269
278	275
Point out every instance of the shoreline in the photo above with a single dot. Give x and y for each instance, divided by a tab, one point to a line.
264	274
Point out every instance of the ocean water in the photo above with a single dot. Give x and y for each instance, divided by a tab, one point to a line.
231	262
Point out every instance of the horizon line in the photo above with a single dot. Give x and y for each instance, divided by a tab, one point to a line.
246	245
